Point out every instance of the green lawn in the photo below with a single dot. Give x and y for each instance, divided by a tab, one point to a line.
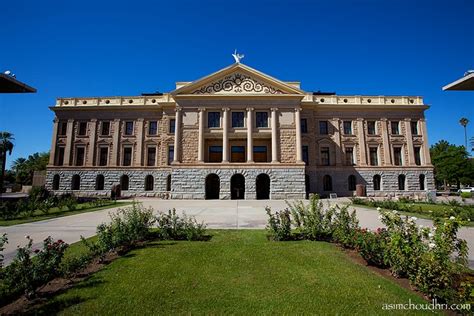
56	212
237	272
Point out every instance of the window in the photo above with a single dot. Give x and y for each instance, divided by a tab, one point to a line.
376	182
261	119
395	127
237	154
349	152
351	183
76	182
170	154
80	151
62	128
213	119
323	127
260	153
105	131
153	128
60	156
99	182
215	153
414	127
82	131
327	183
305	154
401	182
374	161
172	125
124	181
371	128
325	161
347	127
417	155
168	183
397	156
149	181
304	126
151	156
237	119
127	156
103	156
421	179
56	179
129	128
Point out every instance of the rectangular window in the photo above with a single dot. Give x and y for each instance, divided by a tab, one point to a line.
371	127
349	152
170	154
215	153
325	156
374	161
395	127
62	128
414	127
323	127
260	153
305	152
127	156
60	156
417	156
237	119
237	154
172	125
261	119
304	126
103	156
80	151
82	131
151	156
105	130
397	156
347	127
214	119
129	128
153	128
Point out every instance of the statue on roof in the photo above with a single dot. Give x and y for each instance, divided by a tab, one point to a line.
237	57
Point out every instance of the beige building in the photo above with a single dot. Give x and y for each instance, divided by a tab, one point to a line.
239	133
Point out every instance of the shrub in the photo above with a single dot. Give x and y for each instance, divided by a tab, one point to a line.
69	202
3	241
466	195
172	226
345	226
279	225
39	194
312	221
372	246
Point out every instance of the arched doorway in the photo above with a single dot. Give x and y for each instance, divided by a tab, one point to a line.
237	187
56	182
307	185
262	184
212	187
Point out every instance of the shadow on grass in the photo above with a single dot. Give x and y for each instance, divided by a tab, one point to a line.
56	306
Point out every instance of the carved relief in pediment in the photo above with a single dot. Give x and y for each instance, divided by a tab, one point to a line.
237	83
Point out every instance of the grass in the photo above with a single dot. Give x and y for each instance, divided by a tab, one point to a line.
237	272
56	212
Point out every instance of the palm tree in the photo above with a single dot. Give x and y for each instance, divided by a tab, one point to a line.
464	121
6	146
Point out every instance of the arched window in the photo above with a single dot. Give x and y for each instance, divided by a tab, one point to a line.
149	183
124	182
401	182
422	181
376	182
351	182
76	182
99	182
327	183
56	182
168	183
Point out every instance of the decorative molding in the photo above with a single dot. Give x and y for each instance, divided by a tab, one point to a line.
237	83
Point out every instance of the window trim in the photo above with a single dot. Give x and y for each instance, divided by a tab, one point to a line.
125	128
244	121
149	128
268	120
122	158
219	121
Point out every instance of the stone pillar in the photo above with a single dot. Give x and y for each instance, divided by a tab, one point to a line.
409	138
362	144
426	148
225	135
52	153
177	135
92	138
201	135
139	153
299	146
115	143
274	135
69	140
249	135
337	140
386	143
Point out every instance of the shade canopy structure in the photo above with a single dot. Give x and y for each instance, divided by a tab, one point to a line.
9	84
465	83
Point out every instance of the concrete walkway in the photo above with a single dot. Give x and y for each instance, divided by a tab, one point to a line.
227	214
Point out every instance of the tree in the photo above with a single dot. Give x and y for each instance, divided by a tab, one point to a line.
464	121
24	168
451	163
6	146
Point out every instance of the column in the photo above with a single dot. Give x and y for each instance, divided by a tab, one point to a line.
426	147
225	135
201	135
337	140
69	139
92	137
177	135
115	143
274	135
386	143
52	153
362	144
409	138
139	154
249	135
299	146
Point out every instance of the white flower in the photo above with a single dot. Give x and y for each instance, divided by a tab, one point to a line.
421	226
395	212
431	245
430	235
413	218
378	209
452	218
430	211
380	217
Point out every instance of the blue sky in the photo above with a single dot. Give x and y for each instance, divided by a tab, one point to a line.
107	48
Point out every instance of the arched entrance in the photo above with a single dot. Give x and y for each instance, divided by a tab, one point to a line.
212	187
262	184
237	187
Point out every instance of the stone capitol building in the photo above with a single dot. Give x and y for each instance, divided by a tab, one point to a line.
240	134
